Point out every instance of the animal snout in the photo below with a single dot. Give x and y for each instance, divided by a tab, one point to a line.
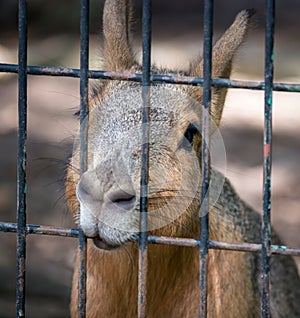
105	196
88	188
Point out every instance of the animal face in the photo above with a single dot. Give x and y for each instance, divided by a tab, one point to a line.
109	191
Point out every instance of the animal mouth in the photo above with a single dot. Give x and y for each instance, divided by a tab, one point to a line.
109	245
103	245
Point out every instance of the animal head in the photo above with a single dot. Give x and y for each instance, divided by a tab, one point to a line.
109	191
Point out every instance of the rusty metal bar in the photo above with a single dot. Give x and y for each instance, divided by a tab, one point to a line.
39	230
240	247
36	229
154	78
84	94
21	165
143	239
205	159
266	216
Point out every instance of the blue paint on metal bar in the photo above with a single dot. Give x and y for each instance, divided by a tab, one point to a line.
266	217
143	241
39	229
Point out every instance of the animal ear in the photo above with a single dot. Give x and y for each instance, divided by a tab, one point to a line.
223	53
117	22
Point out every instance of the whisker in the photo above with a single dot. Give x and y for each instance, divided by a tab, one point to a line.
169	197
130	257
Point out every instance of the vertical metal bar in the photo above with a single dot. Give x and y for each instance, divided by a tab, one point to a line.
21	166
143	242
84	66
266	217
204	226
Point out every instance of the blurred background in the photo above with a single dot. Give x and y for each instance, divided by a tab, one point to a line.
177	38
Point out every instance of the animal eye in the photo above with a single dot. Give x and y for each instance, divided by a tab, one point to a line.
188	138
77	113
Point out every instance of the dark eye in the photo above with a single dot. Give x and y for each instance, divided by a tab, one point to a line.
77	114
188	138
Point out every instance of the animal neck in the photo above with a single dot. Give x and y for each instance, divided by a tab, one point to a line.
172	278
112	279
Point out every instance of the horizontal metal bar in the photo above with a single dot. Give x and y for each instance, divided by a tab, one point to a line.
174	241
241	247
164	240
155	78
39	229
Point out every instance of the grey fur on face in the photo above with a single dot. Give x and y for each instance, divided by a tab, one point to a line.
114	165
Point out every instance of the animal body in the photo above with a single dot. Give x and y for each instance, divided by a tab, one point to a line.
109	192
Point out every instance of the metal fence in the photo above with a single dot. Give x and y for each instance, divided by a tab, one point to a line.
146	78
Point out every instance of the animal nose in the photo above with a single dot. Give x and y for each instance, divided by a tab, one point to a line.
124	200
88	189
118	197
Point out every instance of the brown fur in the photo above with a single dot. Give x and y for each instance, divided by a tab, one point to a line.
173	275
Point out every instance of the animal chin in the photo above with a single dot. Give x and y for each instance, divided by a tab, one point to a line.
109	238
103	245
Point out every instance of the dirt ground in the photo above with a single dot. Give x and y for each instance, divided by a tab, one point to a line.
52	127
